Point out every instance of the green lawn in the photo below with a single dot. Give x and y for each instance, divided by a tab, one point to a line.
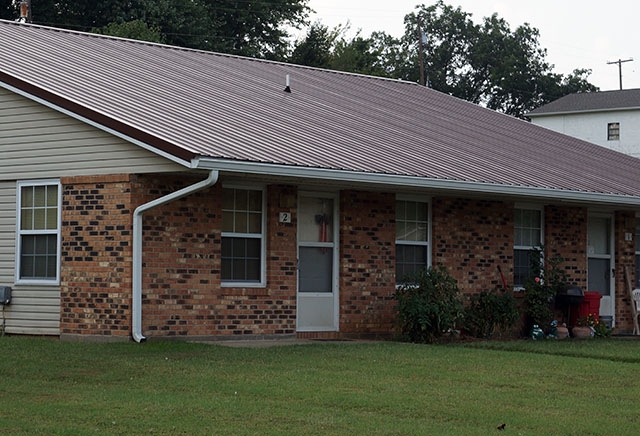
170	388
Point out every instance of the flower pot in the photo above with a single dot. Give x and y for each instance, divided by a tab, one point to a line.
581	332
562	333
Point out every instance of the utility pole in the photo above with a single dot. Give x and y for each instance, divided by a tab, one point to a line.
421	38
620	62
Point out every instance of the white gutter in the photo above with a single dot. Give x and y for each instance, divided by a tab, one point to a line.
415	182
136	303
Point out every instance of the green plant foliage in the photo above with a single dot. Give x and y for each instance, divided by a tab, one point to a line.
487	311
541	286
429	305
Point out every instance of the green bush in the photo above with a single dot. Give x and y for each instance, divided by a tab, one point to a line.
429	305
487	311
541	287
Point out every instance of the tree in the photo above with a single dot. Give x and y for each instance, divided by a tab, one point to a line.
8	10
358	55
316	48
488	63
136	29
230	26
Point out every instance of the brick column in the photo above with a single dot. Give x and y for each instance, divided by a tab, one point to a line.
367	263
95	288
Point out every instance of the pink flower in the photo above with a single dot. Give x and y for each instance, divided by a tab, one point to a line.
537	279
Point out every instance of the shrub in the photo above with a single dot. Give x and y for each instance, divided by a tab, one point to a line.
487	311
428	305
542	286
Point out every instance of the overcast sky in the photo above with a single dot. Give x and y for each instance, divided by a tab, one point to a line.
576	33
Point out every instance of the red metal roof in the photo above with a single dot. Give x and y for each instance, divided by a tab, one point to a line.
190	104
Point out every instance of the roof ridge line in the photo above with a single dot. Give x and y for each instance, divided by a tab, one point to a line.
195	50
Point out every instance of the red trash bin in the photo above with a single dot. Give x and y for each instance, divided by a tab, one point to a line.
590	305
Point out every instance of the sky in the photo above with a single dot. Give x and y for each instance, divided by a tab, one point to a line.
576	33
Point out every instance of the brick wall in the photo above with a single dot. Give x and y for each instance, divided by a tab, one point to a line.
367	263
183	295
182	292
95	286
181	258
625	250
565	235
471	238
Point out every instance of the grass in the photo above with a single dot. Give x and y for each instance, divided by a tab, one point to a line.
171	388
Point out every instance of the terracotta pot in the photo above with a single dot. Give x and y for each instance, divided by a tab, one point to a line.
581	332
562	332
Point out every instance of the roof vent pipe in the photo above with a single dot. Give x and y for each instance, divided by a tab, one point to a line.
287	83
136	297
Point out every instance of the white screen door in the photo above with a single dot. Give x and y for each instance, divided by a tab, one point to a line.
600	261
317	262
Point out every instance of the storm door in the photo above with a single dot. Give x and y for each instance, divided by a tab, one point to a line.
600	276
317	262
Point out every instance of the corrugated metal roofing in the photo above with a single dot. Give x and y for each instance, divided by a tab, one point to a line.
192	104
591	101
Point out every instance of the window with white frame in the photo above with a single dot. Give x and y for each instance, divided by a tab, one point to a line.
527	238
243	226
38	233
412	237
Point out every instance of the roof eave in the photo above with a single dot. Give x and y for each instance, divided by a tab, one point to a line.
585	111
445	185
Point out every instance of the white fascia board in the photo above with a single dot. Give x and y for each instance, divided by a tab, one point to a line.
413	182
96	125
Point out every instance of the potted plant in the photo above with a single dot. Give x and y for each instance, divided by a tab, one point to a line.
584	327
590	326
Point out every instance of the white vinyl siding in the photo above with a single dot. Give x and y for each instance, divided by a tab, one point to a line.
39	142
33	309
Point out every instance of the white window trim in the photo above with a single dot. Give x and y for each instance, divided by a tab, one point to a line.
528	247
428	242
263	244
19	233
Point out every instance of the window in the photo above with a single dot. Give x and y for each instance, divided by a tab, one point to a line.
527	237
243	237
613	131
412	237
38	235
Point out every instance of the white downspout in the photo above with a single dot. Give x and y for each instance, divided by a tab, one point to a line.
136	303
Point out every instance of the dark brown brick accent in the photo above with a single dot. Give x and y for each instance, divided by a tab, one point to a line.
183	295
95	285
625	254
367	263
182	292
566	236
471	238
